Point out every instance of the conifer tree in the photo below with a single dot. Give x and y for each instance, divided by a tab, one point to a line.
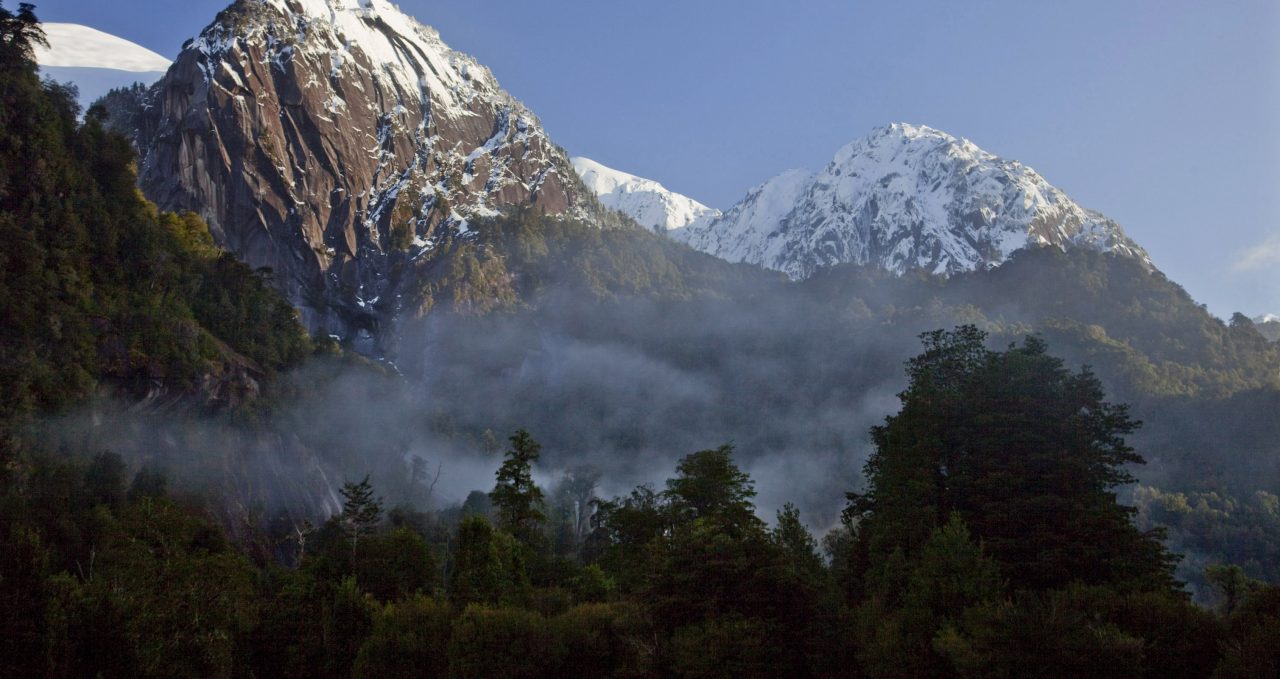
797	544
517	500
360	511
20	33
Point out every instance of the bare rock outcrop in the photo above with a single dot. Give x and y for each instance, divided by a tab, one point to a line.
344	146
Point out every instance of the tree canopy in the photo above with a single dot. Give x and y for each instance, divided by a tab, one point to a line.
1026	452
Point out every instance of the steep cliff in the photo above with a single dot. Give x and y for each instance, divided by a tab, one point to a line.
344	146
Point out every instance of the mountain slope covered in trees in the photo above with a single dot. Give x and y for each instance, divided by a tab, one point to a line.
98	287
931	573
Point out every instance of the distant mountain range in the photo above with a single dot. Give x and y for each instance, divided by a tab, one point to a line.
349	146
904	197
346	147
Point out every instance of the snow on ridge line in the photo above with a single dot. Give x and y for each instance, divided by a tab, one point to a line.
603	179
905	197
751	220
646	201
399	49
79	46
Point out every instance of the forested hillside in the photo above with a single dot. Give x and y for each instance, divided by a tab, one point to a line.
625	372
1140	330
957	559
98	288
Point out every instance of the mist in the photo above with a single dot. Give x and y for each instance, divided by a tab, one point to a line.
793	375
624	387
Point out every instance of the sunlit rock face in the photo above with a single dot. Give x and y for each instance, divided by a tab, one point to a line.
343	145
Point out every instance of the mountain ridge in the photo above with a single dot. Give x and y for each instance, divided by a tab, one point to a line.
649	203
906	197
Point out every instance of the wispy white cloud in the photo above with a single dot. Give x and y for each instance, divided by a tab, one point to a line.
1262	255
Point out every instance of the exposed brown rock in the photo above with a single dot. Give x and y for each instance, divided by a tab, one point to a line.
308	152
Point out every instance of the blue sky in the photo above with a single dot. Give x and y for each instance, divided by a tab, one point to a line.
1164	115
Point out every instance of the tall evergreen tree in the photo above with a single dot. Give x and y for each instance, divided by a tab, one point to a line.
517	500
796	543
361	511
20	32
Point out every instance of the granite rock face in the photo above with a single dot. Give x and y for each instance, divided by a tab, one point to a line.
344	146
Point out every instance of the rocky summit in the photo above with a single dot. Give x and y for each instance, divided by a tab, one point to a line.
905	197
341	144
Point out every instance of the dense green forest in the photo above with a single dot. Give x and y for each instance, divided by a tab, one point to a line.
97	287
995	528
958	559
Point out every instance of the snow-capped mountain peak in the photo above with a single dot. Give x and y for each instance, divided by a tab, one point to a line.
907	197
646	201
95	62
77	46
1266	318
408	57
